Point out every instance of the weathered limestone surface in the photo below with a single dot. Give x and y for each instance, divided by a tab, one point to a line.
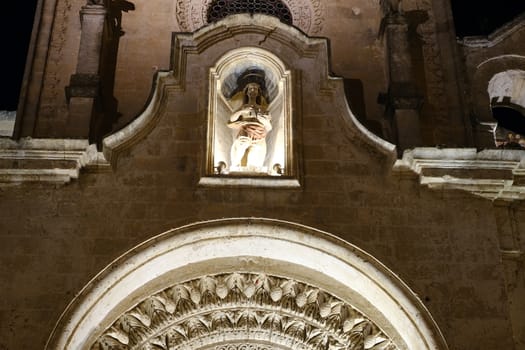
444	244
356	44
66	212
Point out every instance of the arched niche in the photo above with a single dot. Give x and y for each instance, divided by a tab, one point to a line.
246	283
493	83
195	52
490	81
506	90
227	81
507	87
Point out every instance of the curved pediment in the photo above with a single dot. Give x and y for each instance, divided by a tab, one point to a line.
314	90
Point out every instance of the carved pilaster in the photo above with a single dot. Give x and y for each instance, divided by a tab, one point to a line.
92	22
402	101
84	85
509	217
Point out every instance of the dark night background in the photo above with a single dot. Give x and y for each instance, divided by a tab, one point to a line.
472	17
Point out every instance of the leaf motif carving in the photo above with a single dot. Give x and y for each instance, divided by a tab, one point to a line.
266	307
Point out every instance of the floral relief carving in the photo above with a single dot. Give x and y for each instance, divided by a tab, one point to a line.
250	310
243	347
307	14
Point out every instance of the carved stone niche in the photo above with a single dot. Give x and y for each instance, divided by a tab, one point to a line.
221	60
250	136
496	81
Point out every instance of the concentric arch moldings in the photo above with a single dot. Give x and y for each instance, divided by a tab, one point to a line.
246	284
307	15
249	307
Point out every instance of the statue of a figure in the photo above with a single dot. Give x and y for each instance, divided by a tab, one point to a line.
252	121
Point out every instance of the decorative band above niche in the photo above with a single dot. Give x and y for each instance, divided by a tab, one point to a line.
308	15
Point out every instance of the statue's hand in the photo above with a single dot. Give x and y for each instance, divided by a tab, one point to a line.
255	132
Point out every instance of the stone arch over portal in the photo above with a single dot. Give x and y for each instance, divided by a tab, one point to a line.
241	258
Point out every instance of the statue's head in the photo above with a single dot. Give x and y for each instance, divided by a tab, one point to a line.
252	82
252	90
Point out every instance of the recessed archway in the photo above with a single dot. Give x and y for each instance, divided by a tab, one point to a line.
268	283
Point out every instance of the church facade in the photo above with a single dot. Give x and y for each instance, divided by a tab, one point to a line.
271	174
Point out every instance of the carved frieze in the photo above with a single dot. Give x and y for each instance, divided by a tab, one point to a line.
244	346
307	14
243	311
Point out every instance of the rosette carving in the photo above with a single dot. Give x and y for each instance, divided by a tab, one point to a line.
244	309
306	14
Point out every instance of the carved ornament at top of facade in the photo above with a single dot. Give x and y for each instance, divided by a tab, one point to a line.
308	15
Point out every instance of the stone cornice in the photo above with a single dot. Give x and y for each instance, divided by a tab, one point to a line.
493	174
47	160
497	36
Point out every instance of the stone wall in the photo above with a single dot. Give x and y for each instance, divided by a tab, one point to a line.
444	244
460	253
356	43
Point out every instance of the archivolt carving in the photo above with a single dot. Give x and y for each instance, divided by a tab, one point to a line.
243	347
244	309
307	14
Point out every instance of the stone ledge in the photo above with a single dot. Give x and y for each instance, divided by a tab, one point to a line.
264	182
497	36
47	160
493	174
